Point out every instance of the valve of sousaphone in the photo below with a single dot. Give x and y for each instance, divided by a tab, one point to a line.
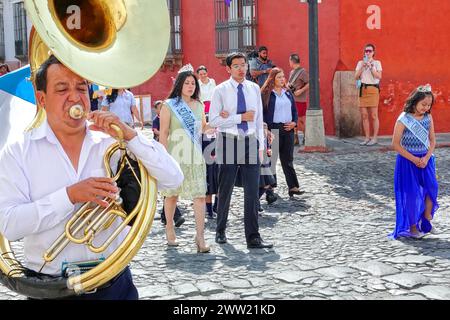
77	112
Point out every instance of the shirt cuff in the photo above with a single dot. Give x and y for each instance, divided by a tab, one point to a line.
61	203
134	143
237	118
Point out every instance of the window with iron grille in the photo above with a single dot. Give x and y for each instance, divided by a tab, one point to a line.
2	34
175	27
20	30
235	26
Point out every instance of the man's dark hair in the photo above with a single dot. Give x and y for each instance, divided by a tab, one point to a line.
235	55
41	74
262	48
294	58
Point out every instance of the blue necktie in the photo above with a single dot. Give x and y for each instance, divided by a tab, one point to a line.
241	108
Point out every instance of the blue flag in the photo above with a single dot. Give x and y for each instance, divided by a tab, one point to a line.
17	83
227	2
17	104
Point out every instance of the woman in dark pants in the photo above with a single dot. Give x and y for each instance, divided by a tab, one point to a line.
280	114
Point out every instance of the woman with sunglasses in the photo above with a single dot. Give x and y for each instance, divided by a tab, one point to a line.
368	71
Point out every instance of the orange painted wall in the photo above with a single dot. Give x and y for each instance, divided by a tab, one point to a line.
413	46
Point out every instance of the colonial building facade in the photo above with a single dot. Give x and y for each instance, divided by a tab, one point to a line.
15	29
409	36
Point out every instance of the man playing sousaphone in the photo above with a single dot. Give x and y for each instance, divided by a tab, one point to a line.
57	166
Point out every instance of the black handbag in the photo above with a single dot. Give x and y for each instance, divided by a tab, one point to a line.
130	190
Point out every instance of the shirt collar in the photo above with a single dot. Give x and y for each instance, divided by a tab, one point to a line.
235	83
283	91
45	131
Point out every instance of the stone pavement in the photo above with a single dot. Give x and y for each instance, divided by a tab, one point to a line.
330	243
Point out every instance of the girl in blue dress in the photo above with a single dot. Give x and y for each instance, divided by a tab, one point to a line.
415	184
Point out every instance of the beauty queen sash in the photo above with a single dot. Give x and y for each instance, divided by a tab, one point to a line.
187	119
415	127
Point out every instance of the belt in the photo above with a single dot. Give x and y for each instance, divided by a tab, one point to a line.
236	137
278	125
365	85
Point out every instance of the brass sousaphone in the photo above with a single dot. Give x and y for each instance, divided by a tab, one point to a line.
114	43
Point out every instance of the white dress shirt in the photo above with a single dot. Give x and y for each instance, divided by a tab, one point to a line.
206	90
225	99
34	175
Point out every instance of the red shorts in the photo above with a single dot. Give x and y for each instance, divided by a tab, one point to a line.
301	108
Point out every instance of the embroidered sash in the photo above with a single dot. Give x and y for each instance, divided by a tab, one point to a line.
415	127
187	120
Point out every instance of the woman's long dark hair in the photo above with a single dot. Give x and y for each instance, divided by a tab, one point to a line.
113	96
178	86
268	86
415	97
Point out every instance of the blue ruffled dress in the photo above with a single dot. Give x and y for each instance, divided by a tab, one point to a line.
412	184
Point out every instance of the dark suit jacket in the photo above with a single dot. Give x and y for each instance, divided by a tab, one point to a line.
269	111
94	102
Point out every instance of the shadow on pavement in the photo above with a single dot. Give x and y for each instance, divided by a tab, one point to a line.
434	247
199	264
364	177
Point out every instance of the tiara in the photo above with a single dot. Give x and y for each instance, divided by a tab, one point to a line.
186	67
425	88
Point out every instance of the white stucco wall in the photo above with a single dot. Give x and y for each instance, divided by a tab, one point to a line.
8	21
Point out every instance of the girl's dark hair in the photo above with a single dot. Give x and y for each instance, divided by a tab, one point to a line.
415	97
5	66
178	86
202	68
113	96
157	103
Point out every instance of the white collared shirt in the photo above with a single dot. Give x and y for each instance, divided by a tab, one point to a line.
225	99
34	175
283	107
206	90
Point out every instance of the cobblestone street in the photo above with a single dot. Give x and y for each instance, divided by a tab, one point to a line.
330	243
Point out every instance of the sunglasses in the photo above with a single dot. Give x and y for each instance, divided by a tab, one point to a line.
368	50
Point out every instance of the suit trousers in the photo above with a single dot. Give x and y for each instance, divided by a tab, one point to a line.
286	153
241	153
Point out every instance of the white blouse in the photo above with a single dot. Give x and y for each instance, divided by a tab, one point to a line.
206	90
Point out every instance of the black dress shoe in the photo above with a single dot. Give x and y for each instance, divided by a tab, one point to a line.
258	243
299	192
271	197
221	237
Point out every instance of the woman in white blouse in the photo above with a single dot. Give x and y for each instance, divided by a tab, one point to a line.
207	86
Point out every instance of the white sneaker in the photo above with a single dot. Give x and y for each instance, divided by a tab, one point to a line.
434	231
418	235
